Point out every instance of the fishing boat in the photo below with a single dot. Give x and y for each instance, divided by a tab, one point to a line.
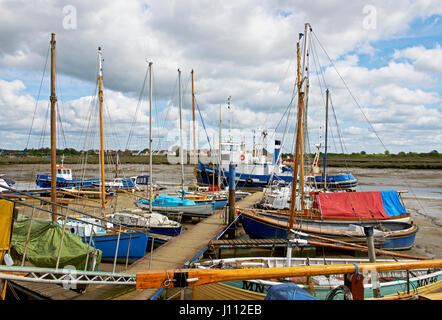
388	283
64	179
254	171
156	223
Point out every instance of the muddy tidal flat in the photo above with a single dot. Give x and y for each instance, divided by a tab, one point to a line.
423	198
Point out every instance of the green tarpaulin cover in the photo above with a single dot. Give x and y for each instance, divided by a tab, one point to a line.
43	247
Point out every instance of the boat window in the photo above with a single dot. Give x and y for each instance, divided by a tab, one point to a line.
59	171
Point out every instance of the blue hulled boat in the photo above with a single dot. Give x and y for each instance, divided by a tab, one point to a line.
170	204
253	170
391	235
64	180
131	244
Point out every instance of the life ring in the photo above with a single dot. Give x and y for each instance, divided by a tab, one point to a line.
242	157
276	182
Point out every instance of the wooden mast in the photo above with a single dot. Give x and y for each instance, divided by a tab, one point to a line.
194	142
181	134
296	155
150	138
219	151
53	132
326	134
302	87
100	95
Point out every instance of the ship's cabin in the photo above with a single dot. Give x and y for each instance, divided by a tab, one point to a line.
63	172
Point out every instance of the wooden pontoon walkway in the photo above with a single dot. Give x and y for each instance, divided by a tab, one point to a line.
172	255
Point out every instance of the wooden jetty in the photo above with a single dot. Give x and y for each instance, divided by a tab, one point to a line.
175	254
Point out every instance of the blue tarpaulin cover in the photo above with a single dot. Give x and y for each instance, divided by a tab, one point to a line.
288	291
392	203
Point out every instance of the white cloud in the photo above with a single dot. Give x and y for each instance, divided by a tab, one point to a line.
244	49
427	60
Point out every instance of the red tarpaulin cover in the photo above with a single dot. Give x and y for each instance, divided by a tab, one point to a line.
352	204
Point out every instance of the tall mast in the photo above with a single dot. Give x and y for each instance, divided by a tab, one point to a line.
100	95
194	142
326	133
219	151
53	131
298	146
181	134
150	138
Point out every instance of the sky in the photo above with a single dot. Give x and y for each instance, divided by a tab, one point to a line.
380	60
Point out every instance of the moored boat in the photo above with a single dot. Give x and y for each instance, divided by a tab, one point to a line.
64	179
156	223
165	203
389	283
391	235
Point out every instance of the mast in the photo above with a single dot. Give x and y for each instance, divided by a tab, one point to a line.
298	147
53	132
100	95
150	138
219	151
194	142
326	133
181	134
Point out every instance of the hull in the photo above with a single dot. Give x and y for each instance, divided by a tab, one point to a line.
155	222
204	209
305	218
400	237
131	244
391	282
247	180
44	181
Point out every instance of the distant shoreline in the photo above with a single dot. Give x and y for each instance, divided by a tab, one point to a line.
418	161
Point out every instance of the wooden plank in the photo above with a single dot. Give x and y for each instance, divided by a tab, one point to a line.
162	278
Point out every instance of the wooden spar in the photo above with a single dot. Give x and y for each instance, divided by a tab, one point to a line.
355	247
194	142
181	134
219	150
195	277
296	155
150	138
100	95
53	132
326	137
